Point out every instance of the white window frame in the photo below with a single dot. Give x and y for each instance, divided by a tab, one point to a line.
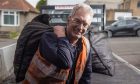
16	17
97	19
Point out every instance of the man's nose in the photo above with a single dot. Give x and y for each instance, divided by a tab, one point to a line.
81	26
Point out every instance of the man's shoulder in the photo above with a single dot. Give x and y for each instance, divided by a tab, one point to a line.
48	35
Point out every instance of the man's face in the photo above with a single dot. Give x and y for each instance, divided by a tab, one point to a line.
78	24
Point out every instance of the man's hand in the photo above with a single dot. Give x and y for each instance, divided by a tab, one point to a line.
59	31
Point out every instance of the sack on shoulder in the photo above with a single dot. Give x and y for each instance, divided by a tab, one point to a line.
102	58
27	44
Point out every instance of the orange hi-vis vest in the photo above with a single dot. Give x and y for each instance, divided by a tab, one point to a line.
41	71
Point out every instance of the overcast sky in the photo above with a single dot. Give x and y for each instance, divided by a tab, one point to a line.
32	2
57	2
64	2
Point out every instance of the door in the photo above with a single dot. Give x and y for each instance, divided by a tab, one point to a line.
120	27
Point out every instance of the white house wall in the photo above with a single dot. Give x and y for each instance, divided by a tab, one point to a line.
24	18
122	15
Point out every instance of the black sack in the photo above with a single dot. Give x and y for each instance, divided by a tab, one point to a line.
27	44
102	57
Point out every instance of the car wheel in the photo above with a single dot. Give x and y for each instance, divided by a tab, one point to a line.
138	33
109	33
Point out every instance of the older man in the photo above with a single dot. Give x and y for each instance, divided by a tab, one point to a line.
63	56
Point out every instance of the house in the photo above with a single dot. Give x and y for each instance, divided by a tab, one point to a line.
133	5
117	14
59	10
110	4
112	8
14	14
127	8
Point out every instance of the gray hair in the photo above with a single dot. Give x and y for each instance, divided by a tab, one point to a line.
83	5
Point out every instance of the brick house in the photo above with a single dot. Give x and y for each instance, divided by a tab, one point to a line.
14	14
111	7
110	4
129	6
133	5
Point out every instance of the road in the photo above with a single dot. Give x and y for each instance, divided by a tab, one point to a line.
127	48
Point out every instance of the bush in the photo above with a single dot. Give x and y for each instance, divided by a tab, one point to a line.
13	34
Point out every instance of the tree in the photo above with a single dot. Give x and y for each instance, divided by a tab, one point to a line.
40	3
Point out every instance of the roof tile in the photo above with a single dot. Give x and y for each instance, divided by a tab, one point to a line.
21	5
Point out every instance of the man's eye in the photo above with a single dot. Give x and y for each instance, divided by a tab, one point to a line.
76	21
85	25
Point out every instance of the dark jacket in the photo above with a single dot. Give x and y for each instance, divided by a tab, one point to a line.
63	55
60	55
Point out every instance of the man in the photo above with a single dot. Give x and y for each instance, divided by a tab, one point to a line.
63	55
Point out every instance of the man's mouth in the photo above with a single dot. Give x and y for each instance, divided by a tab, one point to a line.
78	33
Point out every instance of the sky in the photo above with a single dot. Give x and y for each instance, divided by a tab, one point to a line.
64	2
33	2
58	2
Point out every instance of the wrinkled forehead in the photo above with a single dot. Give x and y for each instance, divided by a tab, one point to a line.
82	14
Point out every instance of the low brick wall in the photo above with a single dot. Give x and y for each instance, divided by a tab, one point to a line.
4	34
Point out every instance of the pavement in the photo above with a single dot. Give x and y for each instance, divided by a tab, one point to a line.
5	42
124	74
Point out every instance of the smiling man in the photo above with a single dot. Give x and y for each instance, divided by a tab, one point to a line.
63	56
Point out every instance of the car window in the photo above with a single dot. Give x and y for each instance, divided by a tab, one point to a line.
131	22
121	23
114	23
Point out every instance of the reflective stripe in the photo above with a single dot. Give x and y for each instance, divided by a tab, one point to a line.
62	75
30	79
82	60
78	75
46	70
49	70
87	45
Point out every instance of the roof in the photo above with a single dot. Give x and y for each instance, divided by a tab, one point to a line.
20	5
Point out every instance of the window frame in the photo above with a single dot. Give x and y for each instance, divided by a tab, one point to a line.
16	17
138	4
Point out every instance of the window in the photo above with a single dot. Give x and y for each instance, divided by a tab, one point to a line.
121	23
138	4
97	19
10	18
97	11
131	22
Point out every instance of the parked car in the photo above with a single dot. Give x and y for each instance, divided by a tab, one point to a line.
124	27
